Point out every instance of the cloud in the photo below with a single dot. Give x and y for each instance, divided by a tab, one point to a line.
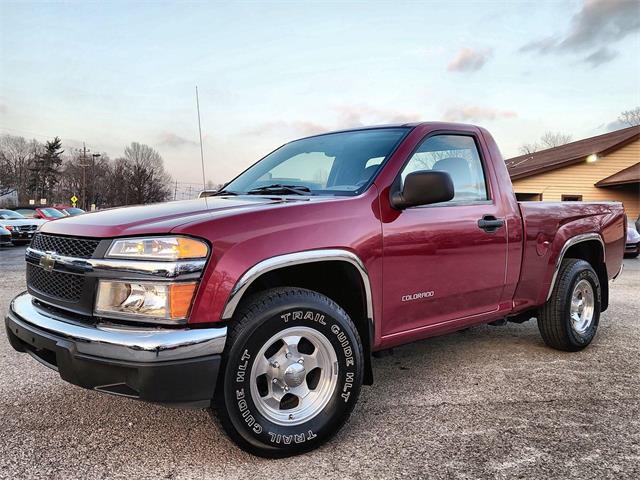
475	114
600	56
3	108
469	60
613	126
597	25
169	139
544	45
360	115
299	127
347	116
602	21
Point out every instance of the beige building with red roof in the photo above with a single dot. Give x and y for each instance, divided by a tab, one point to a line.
601	168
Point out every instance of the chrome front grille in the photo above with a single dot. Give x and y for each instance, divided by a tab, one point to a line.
25	228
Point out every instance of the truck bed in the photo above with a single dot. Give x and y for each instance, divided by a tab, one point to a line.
548	226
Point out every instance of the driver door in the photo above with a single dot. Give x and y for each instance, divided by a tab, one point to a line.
439	264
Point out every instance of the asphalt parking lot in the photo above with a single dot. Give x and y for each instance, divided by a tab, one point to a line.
489	402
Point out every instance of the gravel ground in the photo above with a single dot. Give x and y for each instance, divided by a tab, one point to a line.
490	402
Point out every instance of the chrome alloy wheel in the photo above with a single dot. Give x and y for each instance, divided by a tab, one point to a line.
582	306
294	376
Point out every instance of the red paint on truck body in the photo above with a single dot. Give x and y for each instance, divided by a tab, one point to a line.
474	276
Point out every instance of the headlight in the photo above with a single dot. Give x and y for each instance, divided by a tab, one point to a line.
158	248
160	302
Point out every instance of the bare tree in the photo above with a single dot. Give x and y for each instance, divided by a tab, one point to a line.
117	190
630	117
554	139
547	140
17	155
97	175
6	175
529	148
148	181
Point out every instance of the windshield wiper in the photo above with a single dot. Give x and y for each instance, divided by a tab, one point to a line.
279	188
223	192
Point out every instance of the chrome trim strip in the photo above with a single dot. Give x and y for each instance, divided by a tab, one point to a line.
298	258
619	272
585	237
126	343
101	265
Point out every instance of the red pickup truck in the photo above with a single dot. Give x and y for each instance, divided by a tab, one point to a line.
267	300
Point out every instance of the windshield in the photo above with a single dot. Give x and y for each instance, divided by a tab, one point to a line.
332	164
26	212
74	211
52	212
10	215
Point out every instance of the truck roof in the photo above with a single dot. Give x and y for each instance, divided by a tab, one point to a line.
442	125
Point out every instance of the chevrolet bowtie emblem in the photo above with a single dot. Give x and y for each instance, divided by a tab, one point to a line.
47	262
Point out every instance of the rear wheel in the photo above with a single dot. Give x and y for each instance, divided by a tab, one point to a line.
569	319
291	372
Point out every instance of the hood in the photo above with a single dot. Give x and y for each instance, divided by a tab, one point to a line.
21	221
153	219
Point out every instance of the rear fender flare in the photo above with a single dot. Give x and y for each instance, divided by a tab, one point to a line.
585	237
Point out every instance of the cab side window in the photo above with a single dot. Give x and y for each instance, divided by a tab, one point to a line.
458	156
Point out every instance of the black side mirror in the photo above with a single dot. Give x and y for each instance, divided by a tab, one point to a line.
423	187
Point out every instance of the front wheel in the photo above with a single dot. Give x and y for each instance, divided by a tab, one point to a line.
569	319
291	372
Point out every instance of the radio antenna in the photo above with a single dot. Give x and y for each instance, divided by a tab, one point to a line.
204	183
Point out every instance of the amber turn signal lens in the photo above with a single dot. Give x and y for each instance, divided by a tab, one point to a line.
190	248
180	298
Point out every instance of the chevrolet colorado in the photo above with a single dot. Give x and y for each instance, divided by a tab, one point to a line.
267	300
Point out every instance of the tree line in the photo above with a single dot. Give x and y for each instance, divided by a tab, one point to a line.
36	170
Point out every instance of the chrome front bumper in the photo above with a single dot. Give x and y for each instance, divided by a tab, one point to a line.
121	343
170	366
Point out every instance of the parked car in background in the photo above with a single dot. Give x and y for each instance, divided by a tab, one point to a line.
71	211
49	213
21	228
26	212
207	193
5	237
632	246
44	213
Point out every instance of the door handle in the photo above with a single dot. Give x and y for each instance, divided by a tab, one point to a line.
490	224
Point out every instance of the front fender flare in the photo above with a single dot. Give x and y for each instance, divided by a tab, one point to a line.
297	258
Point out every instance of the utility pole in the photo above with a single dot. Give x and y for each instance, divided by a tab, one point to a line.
175	190
84	166
36	161
93	175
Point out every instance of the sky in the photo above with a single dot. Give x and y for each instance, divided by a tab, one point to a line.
110	73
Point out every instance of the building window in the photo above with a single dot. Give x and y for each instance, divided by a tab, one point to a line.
528	197
571	198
